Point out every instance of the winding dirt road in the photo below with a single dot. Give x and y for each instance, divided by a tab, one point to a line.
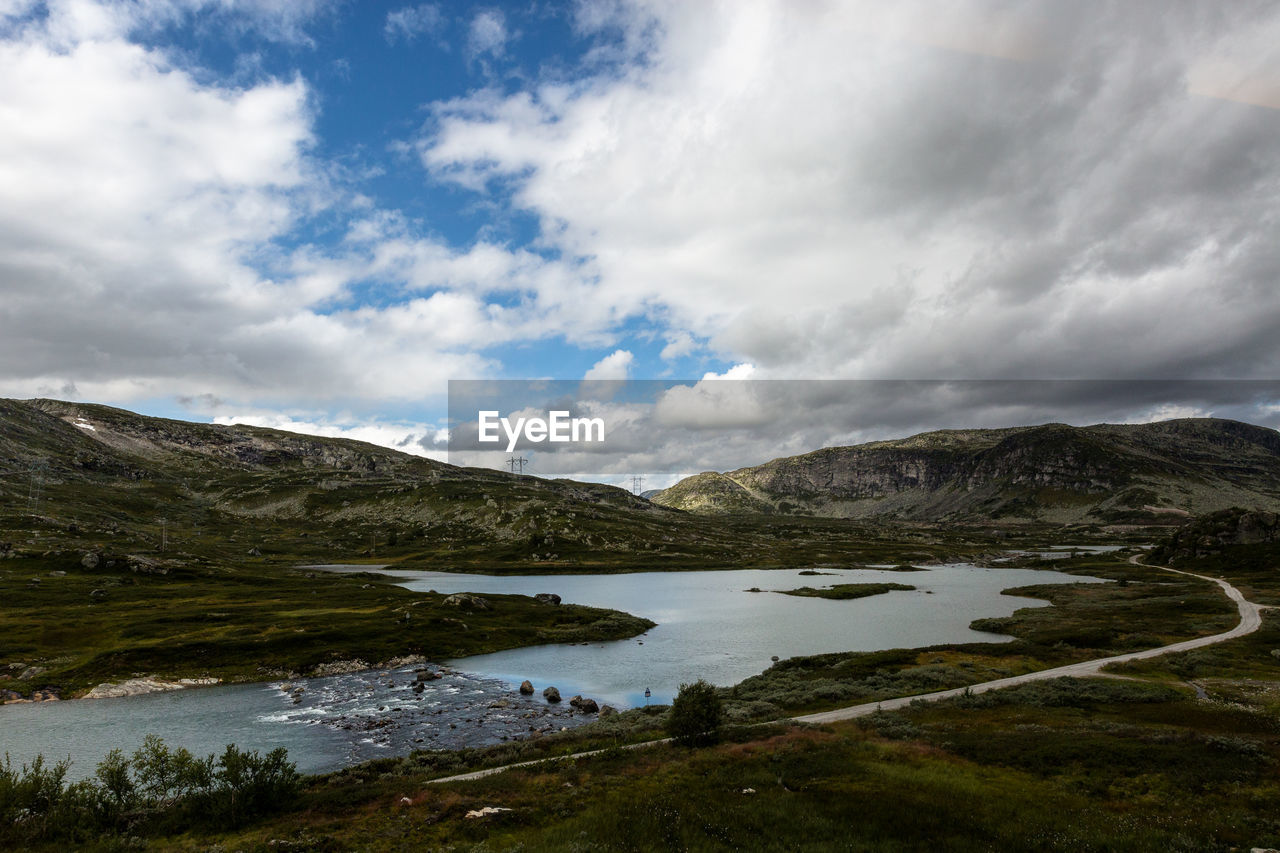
1250	621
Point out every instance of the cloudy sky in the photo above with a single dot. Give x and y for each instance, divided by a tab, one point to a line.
313	213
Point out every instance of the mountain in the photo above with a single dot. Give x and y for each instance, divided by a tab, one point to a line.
75	475
1107	473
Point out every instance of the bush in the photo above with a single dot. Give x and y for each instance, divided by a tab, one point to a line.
157	786
696	715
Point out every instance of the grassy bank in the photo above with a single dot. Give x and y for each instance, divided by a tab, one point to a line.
1080	765
69	628
1143	608
1069	765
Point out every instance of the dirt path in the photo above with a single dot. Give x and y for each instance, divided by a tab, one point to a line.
1250	621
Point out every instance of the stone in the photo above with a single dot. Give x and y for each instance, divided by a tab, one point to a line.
551	694
485	812
97	595
586	706
526	687
548	598
467	601
607	711
91	560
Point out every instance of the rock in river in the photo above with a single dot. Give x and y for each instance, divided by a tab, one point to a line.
586	706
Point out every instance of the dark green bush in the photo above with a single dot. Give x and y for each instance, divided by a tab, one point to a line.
696	714
155	789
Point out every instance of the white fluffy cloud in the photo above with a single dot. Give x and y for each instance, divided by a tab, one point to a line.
818	189
616	365
139	202
414	438
870	189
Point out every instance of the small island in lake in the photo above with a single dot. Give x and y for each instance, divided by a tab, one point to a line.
843	591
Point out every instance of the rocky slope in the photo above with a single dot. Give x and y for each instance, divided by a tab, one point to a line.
104	479
1108	473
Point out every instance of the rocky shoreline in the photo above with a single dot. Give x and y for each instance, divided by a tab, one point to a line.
145	685
395	711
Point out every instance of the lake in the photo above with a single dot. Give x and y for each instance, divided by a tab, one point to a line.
709	626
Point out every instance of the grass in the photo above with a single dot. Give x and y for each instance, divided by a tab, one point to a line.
249	624
846	591
1143	608
1092	765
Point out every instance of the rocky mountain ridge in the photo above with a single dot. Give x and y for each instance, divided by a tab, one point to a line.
1107	473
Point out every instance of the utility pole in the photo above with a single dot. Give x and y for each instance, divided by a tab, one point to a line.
637	485
164	534
516	464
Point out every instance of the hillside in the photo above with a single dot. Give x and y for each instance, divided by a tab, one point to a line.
85	476
1108	473
156	493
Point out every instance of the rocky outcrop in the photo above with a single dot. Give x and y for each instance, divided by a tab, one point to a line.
339	667
467	601
526	687
1104	473
548	598
551	694
13	697
1215	533
141	686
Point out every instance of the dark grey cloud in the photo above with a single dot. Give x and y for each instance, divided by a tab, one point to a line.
667	429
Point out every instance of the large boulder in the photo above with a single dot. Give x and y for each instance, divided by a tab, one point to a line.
91	560
586	706
526	687
551	694
467	601
548	598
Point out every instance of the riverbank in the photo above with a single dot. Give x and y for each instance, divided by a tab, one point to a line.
1044	766
69	628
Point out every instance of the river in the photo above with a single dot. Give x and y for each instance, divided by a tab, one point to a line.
709	626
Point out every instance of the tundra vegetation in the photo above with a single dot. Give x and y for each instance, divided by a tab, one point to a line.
173	549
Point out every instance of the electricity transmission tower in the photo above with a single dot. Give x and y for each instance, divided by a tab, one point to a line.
36	485
637	485
516	464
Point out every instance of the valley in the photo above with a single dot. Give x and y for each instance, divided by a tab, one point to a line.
133	547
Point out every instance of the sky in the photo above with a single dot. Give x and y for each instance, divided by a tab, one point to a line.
313	214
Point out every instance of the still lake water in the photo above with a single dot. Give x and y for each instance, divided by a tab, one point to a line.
709	627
